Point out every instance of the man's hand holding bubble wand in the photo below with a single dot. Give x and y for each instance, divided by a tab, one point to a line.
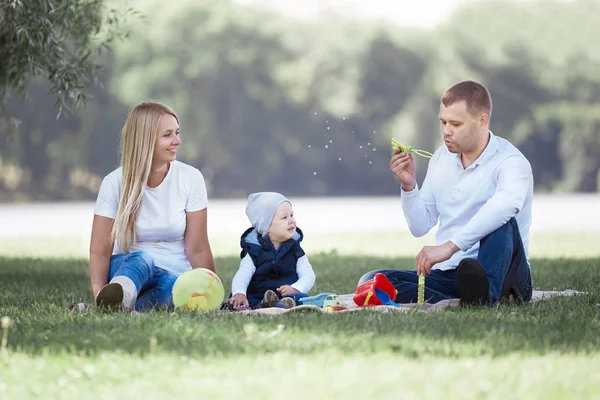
408	150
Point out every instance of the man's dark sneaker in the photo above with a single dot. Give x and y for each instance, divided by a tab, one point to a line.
472	283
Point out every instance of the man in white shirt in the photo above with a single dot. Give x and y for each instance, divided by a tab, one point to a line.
479	187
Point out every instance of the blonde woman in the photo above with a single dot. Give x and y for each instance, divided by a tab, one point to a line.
150	217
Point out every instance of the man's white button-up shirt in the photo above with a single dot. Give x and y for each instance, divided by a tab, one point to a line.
471	202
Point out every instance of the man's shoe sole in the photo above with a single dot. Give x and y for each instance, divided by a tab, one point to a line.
472	283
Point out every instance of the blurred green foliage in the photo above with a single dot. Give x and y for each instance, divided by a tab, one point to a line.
309	107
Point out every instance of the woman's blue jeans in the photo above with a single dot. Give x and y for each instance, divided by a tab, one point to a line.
154	285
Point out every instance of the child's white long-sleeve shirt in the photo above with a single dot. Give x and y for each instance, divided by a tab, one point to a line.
241	280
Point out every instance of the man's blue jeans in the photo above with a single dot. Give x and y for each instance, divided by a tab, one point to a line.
502	256
154	285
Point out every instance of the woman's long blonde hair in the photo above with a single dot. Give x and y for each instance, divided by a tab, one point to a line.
137	148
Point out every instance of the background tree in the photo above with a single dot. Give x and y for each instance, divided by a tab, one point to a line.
308	107
55	40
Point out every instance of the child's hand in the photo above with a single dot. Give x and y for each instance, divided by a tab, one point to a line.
286	290
238	300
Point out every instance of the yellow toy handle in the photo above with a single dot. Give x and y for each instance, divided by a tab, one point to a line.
369	294
421	290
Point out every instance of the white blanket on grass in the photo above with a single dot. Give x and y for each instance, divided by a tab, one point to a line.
537	295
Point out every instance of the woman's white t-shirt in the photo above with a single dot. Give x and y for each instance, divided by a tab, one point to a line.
162	221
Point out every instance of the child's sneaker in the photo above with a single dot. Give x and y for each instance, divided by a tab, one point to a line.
289	302
273	304
270	297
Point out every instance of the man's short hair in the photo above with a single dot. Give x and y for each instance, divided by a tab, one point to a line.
475	94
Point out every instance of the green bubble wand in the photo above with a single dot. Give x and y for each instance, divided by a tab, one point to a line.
396	145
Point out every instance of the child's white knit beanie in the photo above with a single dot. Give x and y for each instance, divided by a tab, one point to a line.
261	209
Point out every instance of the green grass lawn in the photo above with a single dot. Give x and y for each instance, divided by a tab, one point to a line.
547	349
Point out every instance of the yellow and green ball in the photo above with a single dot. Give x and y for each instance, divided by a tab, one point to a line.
198	290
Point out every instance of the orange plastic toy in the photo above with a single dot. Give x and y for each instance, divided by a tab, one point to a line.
375	292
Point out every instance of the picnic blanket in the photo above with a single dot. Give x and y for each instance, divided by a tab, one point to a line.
347	300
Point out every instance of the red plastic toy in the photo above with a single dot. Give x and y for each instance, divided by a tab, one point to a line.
375	292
